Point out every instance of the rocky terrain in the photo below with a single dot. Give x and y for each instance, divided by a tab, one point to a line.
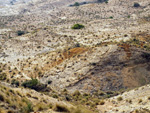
134	101
47	65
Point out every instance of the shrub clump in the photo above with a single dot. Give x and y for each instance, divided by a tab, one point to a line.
30	83
3	76
77	45
76	4
15	82
102	102
77	26
19	32
34	84
28	108
61	108
119	98
76	93
136	4
1	97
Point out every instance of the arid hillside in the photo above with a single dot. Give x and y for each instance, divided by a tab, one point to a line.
73	53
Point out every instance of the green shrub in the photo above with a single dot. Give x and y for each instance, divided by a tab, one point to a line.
119	98
130	101
1	97
28	108
76	93
140	100
10	111
19	32
49	82
3	76
50	106
61	108
77	26
55	96
106	1
77	110
111	17
76	4
15	82
30	83
77	45
102	102
34	84
136	4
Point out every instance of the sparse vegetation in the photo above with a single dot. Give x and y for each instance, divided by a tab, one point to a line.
82	70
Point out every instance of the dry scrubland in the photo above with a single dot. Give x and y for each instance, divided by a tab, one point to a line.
46	66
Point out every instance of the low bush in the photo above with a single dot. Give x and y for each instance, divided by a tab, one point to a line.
76	93
140	100
19	32
30	83
76	4
136	4
61	108
119	98
15	82
3	76
27	109
34	84
77	26
77	45
102	102
55	96
1	97
111	17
